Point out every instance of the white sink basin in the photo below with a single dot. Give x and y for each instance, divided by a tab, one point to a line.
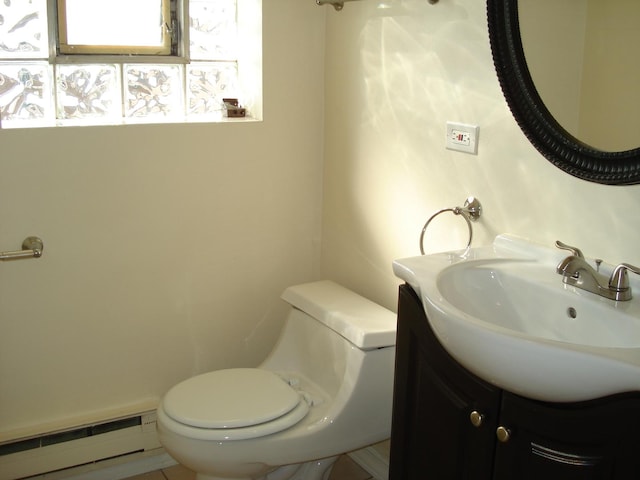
504	314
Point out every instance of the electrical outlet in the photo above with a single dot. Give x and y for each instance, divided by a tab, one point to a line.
462	137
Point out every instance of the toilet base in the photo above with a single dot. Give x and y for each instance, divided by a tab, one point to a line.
315	470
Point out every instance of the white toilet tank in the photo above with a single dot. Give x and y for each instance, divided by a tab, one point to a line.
364	323
332	333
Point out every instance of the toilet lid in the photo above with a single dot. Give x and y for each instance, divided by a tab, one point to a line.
232	398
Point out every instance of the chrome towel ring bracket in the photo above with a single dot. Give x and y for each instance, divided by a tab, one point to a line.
471	212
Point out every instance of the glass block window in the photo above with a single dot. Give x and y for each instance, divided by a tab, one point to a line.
25	94
208	84
39	88
88	92
213	30
153	91
23	29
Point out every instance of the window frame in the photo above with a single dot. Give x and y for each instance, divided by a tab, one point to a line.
172	50
247	60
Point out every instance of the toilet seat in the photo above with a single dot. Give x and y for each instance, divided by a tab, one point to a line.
234	404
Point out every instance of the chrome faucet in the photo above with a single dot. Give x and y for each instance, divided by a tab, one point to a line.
577	272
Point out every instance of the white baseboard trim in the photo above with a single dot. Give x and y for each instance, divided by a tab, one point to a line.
137	464
374	463
117	468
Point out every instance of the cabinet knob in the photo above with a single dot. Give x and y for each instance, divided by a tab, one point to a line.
503	434
476	418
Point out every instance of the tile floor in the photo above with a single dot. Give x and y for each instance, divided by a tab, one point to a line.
344	469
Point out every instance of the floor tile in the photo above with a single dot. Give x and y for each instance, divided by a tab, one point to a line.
346	469
157	475
179	472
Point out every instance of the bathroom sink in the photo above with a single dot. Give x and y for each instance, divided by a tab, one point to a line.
504	313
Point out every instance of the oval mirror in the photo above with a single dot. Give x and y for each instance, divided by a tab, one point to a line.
570	82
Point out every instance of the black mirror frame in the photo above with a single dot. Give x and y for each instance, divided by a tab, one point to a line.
543	131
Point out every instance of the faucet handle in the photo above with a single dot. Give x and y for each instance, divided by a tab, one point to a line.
574	250
619	280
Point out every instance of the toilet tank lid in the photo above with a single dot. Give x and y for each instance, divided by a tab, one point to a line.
364	323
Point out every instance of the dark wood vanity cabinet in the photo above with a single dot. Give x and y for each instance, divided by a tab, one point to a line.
432	435
448	424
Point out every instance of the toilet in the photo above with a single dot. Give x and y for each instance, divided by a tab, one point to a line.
324	390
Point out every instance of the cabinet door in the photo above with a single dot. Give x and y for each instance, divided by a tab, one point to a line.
432	435
579	441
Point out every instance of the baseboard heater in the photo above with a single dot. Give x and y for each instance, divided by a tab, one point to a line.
78	446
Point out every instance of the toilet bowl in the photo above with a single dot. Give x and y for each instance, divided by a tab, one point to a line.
325	389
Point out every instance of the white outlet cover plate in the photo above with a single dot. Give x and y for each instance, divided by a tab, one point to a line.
462	137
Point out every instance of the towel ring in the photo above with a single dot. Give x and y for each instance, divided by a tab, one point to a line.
471	212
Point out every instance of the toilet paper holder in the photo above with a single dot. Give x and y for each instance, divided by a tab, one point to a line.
32	247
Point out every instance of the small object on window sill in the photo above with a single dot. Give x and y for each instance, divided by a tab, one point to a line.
233	108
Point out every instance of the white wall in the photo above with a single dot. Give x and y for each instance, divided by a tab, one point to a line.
394	77
166	247
156	236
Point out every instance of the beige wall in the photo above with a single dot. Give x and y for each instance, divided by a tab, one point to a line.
580	66
166	247
610	100
394	77
555	54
